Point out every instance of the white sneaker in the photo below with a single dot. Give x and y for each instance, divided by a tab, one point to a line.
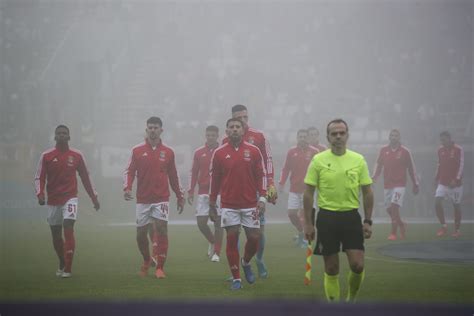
66	275
215	258
210	250
59	272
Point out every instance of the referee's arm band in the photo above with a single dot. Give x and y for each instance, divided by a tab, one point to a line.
368	221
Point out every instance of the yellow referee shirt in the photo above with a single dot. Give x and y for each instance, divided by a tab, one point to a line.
338	179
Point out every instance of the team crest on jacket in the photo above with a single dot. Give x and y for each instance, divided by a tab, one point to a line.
162	155
251	140
247	155
70	161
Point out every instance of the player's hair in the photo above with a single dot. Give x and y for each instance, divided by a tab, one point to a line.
234	119
62	126
313	128
445	133
302	131
154	120
335	121
395	130
238	108
212	128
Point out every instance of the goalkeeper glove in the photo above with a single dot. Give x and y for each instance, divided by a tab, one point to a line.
272	194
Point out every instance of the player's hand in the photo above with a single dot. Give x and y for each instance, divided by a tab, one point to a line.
96	205
374	179
261	207
416	189
309	231
367	229
41	200
453	184
272	194
127	195
212	212
190	199
180	204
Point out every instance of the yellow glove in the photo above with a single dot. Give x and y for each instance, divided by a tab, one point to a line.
272	194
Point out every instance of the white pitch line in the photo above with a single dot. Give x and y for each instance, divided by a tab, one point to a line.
414	262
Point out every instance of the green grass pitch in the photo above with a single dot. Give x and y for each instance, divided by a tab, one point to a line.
107	261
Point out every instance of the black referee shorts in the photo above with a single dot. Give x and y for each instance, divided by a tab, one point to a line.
336	228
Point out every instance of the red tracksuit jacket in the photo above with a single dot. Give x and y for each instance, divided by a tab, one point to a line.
238	175
58	169
154	168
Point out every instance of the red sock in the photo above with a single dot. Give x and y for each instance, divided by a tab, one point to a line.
162	250
251	247
232	253
69	247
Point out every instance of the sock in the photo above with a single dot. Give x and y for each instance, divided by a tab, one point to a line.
251	247
162	250
354	282
69	247
261	247
331	287
232	253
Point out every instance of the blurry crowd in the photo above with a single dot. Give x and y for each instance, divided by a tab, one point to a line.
103	67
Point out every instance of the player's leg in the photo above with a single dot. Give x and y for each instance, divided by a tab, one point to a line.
352	237
388	197
58	244
356	273
144	226
206	232
328	245
159	215
230	221
153	235
69	211
232	252
261	267
69	246
397	202
55	221
295	220
202	217
218	235
253	232
162	240
457	220
441	191
331	277
456	197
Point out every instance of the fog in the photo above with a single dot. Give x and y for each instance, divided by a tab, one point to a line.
103	67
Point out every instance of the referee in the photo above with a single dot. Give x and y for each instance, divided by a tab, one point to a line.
338	175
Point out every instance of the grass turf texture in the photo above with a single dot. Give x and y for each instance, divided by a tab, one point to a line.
107	262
